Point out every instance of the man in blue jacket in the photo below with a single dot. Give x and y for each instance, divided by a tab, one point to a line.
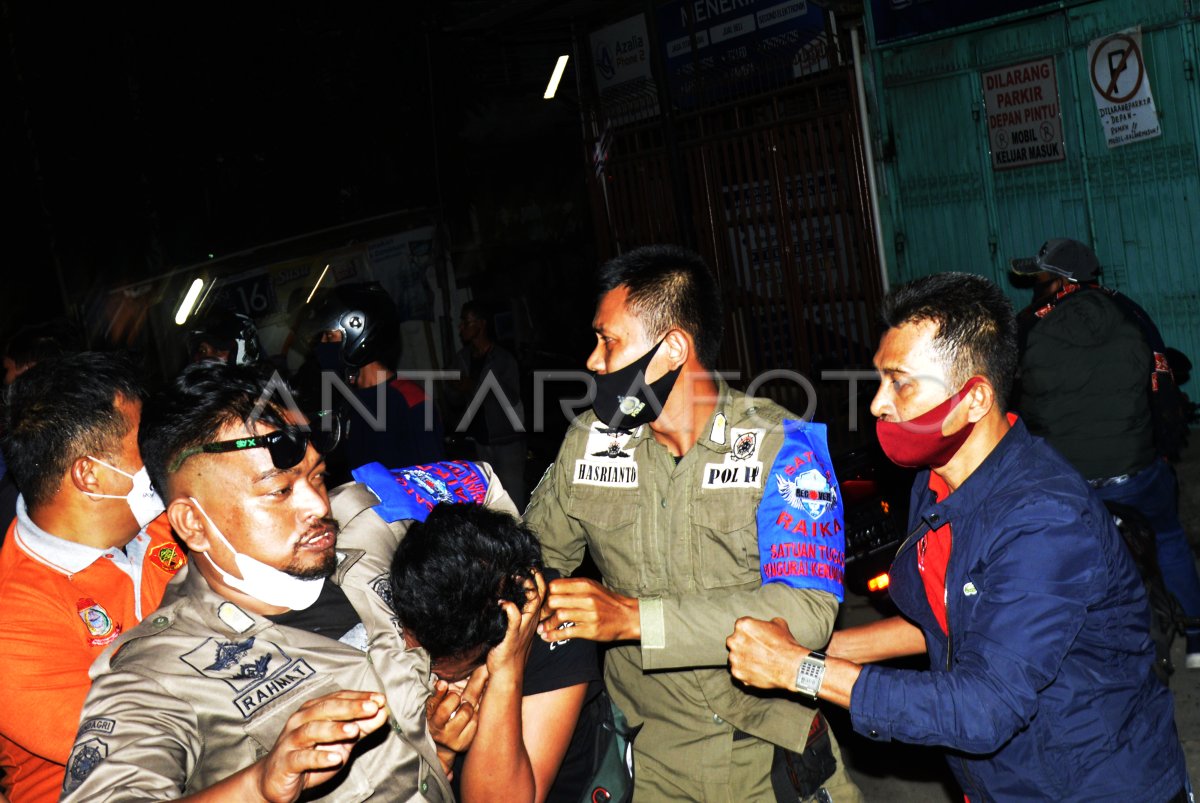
1013	580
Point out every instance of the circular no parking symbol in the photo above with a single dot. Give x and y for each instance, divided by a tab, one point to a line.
1117	68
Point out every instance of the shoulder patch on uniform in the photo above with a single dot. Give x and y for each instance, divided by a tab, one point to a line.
801	529
85	757
382	586
410	493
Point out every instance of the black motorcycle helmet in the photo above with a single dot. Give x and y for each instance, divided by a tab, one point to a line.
366	317
224	330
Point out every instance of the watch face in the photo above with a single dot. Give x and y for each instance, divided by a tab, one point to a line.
810	674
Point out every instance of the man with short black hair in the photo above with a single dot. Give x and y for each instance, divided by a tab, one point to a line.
26	348
38	343
1014	581
665	484
86	559
522	734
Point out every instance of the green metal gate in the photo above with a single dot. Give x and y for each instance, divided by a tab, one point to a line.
946	208
771	191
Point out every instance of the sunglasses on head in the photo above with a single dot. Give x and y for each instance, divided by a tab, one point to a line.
286	446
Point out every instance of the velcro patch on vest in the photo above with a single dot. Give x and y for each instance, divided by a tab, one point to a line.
256	670
741	467
411	493
607	460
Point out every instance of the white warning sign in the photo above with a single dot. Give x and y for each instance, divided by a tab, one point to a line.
1122	88
1024	116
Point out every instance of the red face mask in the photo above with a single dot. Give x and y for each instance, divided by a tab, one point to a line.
919	442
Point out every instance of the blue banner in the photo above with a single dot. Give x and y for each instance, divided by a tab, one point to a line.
801	520
738	44
410	493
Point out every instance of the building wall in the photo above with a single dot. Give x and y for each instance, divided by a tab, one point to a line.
945	206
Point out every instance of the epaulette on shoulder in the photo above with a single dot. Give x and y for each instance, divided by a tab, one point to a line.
410	493
155	624
761	410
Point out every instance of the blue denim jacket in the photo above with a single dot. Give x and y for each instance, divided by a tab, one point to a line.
1044	687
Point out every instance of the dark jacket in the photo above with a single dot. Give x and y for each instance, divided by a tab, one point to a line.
1044	688
1085	382
494	422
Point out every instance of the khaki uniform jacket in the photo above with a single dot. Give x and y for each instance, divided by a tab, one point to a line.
683	539
202	688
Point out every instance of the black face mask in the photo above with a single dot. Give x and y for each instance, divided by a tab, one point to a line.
624	400
329	356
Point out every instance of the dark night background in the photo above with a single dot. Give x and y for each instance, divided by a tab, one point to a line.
145	137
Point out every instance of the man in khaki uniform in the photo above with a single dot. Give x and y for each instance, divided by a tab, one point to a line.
257	678
662	486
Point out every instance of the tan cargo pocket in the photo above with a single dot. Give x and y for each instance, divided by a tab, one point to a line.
725	527
264	726
614	542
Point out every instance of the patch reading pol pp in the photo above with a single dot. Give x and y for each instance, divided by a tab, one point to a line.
256	670
741	467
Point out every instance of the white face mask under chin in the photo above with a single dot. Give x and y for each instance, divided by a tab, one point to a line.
263	582
143	500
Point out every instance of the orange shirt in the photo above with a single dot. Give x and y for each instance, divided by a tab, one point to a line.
62	604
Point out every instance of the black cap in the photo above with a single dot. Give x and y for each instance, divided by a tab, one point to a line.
1064	256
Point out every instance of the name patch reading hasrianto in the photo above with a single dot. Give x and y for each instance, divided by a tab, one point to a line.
588	472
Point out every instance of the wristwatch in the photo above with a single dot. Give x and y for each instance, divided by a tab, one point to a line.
810	674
